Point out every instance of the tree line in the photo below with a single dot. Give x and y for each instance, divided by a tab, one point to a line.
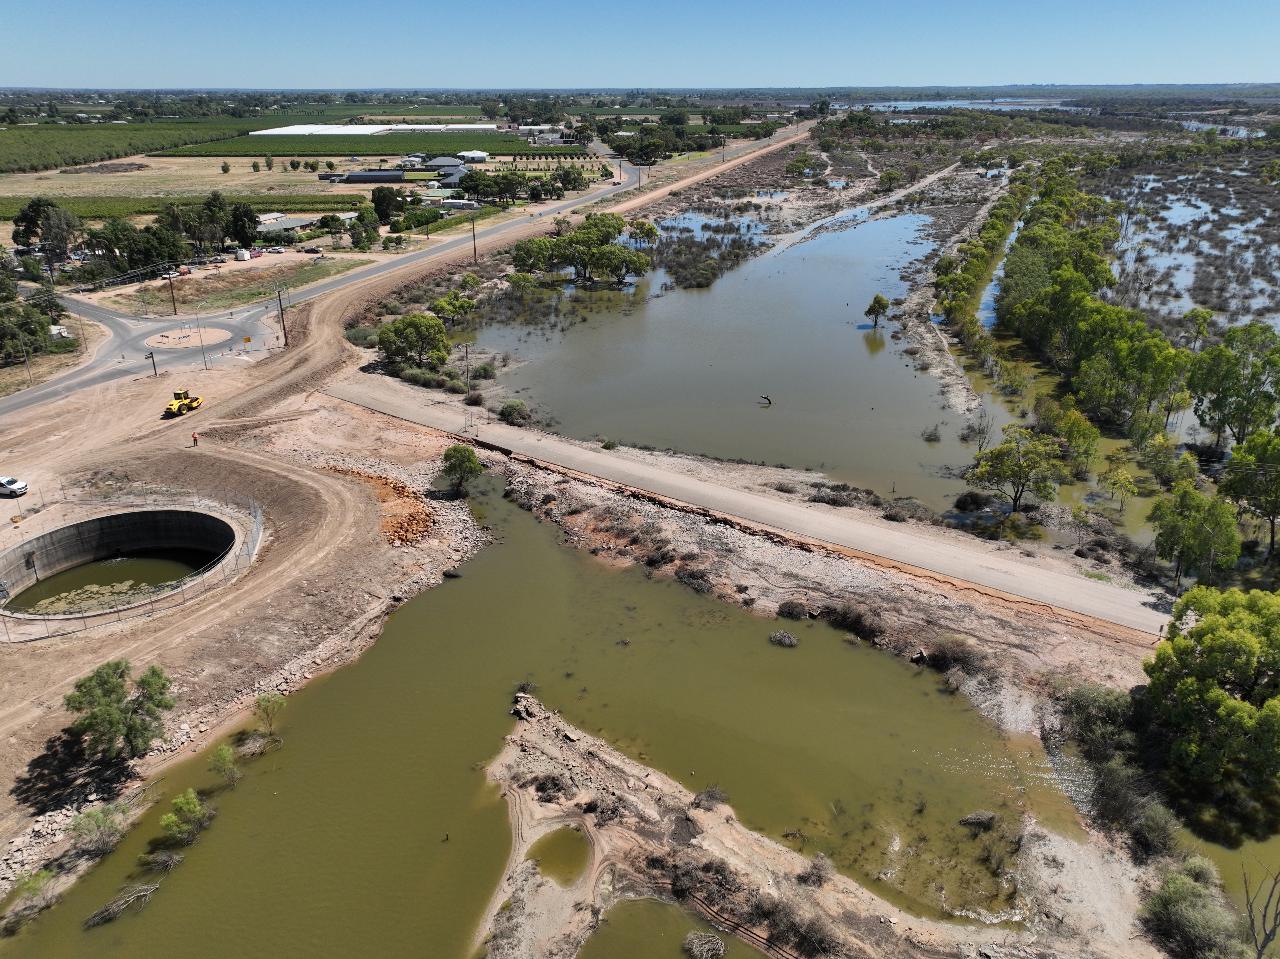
1121	374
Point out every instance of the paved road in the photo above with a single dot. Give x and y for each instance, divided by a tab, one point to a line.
971	562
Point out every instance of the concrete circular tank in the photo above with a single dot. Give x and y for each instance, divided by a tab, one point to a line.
118	535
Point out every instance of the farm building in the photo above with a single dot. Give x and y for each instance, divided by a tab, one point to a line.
443	164
473	156
291	224
373	176
453	180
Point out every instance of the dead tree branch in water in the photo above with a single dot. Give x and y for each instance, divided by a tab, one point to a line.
140	894
1264	919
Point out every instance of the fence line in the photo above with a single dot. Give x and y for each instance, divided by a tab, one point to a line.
146	601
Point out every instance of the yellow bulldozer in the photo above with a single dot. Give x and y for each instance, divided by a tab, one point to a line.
182	402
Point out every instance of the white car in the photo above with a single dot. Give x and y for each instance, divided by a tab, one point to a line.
171	275
9	486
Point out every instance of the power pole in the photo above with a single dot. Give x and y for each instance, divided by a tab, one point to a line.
283	329
475	255
173	296
27	359
466	352
200	332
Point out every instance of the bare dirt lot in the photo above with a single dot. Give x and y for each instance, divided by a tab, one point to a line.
180	176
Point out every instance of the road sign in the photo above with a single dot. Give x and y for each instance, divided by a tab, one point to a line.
248	339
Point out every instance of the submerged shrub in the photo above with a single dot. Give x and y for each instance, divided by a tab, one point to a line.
515	413
784	639
863	623
952	652
818	873
707	799
792	609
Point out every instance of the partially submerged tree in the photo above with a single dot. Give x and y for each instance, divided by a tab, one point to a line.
1024	462
267	709
222	763
877	308
461	466
113	722
187	817
1195	531
418	338
1214	696
1253	478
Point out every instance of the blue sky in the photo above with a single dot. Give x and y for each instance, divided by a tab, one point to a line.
650	43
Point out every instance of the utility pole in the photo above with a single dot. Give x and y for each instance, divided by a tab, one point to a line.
466	352
152	357
200	333
173	296
283	329
475	255
27	359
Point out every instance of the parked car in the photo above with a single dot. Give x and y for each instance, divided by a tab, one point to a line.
254	254
311	249
11	486
217	259
171	275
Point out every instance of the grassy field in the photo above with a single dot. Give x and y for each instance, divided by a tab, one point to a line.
102	207
390	144
46	365
230	289
47	145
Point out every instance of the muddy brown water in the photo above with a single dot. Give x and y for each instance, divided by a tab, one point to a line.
648	929
373	831
686	369
562	855
88	584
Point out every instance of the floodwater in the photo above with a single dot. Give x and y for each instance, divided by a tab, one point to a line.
687	369
88	584
648	929
562	855
376	807
997	104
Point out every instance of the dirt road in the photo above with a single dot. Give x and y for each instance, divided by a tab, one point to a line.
913	551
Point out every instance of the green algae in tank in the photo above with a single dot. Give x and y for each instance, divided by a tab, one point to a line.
373	830
106	582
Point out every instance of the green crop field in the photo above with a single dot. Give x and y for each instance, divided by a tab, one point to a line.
611	112
103	207
334	111
25	149
388	144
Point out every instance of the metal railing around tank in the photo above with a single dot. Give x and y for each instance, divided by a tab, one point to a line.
145	601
